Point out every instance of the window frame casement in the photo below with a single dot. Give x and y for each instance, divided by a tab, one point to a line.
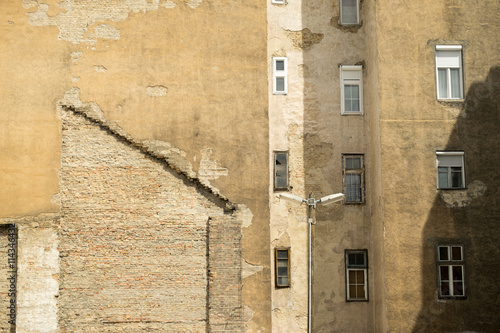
451	271
280	72
449	72
450	170
343	14
356	278
350	173
282	260
351	76
281	171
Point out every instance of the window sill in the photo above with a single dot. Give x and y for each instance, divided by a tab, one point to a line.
453	189
351	113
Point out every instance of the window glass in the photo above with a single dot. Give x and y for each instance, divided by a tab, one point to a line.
349	12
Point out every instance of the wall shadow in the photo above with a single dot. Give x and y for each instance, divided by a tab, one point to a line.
473	221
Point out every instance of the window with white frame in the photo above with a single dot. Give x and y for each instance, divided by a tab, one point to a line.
280	170
351	89
449	77
451	279
278	1
356	275
353	177
349	12
282	267
280	76
450	169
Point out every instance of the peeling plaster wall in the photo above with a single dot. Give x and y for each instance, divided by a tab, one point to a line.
307	123
186	79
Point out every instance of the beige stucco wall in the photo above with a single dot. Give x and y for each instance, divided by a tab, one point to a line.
413	126
187	75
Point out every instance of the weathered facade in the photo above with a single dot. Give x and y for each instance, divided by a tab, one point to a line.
144	146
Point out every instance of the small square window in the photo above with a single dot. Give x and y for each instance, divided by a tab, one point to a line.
349	12
281	170
449	79
351	90
280	76
353	177
356	275
282	267
451	278
450	169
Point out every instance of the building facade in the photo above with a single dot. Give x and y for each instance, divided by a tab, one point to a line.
145	146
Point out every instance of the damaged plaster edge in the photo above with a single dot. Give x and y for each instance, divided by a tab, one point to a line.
43	219
92	112
463	198
248	269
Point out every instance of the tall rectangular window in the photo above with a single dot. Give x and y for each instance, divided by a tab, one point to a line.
349	12
280	76
282	267
450	169
451	271
281	170
449	71
353	169
356	275
351	89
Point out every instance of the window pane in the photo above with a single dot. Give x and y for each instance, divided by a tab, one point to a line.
443	177
283	281
360	291
282	271
456	253
443	84
349	12
280	65
351	97
280	84
457	273
347	91
353	187
443	253
282	254
445	289
360	277
444	273
456	177
353	163
458	289
352	276
352	291
455	83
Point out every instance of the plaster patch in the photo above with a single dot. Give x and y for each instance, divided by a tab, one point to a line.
100	69
457	198
168	4
156	91
304	38
75	56
78	16
75	79
193	3
106	31
244	214
249	269
248	314
210	169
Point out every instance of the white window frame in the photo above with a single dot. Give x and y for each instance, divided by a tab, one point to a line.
454	287
283	262
342	16
360	172
277	171
353	269
280	74
449	57
351	75
449	160
281	2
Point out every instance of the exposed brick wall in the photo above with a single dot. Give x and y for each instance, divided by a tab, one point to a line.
4	282
134	241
